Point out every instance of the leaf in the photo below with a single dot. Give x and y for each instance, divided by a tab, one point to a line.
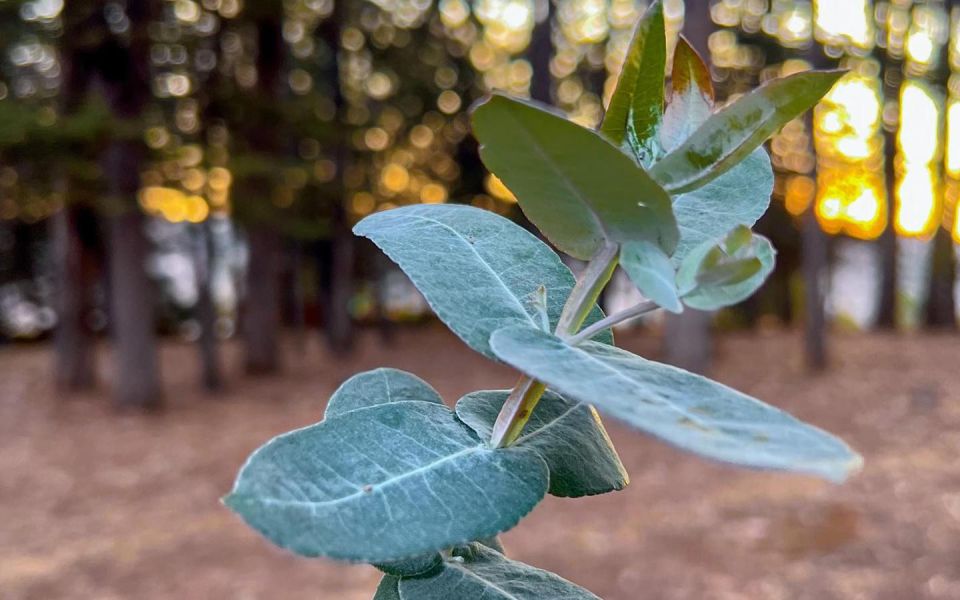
570	182
389	588
731	134
379	386
686	410
412	567
691	97
475	572
567	434
652	273
476	269
717	275
636	106
385	483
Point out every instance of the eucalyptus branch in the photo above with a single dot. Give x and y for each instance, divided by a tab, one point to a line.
527	392
615	319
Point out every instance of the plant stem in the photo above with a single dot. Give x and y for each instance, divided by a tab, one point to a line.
527	392
615	319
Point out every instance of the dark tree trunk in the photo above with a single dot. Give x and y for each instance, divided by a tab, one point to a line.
72	340
206	313
941	311
123	70
814	263
887	303
687	341
136	374
539	54
261	314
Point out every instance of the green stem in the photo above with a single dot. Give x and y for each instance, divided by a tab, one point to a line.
615	319
527	392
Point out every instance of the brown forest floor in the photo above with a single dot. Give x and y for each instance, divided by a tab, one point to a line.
99	505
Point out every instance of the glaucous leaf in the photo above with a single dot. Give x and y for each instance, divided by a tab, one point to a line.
412	567
385	483
691	96
474	572
379	386
731	134
389	588
721	274
568	435
573	184
476	269
686	410
652	272
636	107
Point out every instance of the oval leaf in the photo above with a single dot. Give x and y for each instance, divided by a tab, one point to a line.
475	572
384	484
379	386
568	435
732	275
389	588
636	106
576	187
476	269
691	96
731	134
652	273
686	410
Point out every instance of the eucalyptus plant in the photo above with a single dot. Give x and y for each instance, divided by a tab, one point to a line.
667	189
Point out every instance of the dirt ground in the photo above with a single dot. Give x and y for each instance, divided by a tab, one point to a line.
95	504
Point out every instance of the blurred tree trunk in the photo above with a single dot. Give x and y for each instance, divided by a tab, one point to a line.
123	69
73	352
206	311
941	311
73	349
339	323
687	341
261	314
891	78
540	52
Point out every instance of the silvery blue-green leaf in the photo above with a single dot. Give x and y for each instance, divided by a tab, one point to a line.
574	185
379	386
412	567
389	588
636	106
475	572
652	272
385	483
493	543
476	269
728	278
569	435
686	410
731	134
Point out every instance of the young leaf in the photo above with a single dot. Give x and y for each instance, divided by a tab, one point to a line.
652	272
686	410
731	134
379	386
389	588
716	275
475	572
412	567
385	483
636	107
572	183
477	270
568	435
691	96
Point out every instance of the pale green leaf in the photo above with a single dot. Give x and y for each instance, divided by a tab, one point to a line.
636	106
476	269
715	275
652	272
573	184
691	96
475	572
730	135
385	483
569	435
686	410
379	386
